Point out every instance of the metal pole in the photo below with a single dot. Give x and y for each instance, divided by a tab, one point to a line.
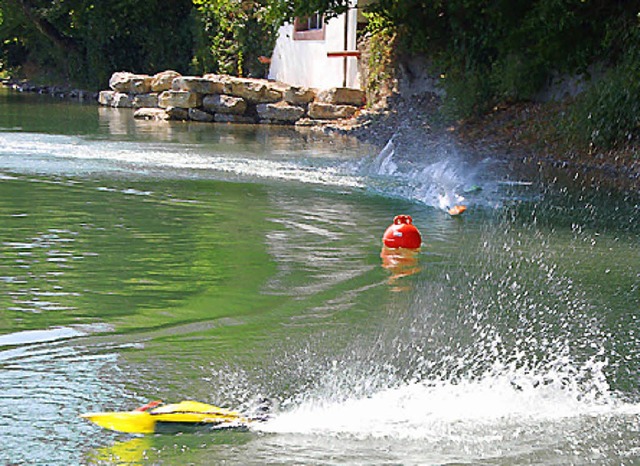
346	43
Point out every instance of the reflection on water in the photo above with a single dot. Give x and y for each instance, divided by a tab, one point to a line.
264	140
400	263
133	451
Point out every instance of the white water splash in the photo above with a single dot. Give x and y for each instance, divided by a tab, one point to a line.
440	178
383	163
440	410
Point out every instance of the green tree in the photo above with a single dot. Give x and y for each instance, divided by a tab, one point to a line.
232	34
84	41
505	50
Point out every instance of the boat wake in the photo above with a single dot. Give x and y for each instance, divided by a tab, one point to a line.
508	412
512	361
440	178
431	410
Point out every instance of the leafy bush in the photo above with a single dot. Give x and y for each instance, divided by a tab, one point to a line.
231	35
467	94
516	77
381	57
608	114
507	50
85	41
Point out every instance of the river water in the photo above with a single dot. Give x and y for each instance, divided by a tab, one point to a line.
228	264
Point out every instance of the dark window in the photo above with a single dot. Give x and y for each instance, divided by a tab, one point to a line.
309	28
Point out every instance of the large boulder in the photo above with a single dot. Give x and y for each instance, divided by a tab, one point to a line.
219	79
145	100
122	100
217	103
181	99
257	91
196	114
151	114
298	95
106	98
162	81
123	81
197	84
279	112
322	111
120	80
177	113
342	96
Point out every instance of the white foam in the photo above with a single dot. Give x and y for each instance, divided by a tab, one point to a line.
75	154
467	407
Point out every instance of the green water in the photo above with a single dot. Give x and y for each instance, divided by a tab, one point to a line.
225	264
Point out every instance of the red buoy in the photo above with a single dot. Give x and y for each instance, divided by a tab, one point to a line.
402	234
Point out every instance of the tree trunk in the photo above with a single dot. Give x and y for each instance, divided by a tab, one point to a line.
47	29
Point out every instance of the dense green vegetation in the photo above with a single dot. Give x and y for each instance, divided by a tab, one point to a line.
507	51
84	41
231	35
489	52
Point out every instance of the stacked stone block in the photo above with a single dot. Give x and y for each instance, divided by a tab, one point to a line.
220	98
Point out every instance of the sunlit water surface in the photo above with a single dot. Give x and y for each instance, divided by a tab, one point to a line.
226	264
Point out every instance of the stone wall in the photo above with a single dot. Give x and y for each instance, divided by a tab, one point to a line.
219	98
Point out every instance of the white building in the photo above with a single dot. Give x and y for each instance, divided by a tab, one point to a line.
319	54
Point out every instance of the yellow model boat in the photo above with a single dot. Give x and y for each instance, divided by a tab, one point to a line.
178	417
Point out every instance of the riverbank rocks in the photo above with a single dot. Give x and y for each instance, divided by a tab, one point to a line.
226	99
197	85
122	100
162	81
195	114
181	99
342	96
256	91
279	112
105	98
59	92
323	111
297	95
219	103
124	81
145	100
177	113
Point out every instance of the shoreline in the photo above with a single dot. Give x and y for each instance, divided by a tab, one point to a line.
60	92
415	123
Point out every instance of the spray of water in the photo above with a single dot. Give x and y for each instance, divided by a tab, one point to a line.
512	359
438	176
